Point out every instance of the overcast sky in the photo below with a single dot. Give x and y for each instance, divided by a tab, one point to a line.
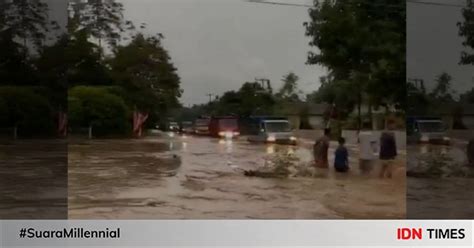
433	44
219	44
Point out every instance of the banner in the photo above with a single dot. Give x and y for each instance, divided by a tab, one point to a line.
242	233
138	121
62	124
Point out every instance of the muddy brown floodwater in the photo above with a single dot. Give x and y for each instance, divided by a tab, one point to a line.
33	179
201	178
440	197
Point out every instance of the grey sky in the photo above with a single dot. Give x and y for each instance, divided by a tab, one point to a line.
219	44
433	44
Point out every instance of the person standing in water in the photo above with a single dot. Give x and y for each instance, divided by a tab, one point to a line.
388	151
320	150
341	157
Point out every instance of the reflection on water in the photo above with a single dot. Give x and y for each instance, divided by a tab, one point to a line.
203	178
439	198
270	149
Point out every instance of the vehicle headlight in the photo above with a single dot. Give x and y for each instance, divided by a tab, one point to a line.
222	134
236	133
425	138
293	138
271	139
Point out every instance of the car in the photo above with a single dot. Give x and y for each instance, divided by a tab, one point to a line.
427	130
186	127
224	127
270	130
201	126
173	126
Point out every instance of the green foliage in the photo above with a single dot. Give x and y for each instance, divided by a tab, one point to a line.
466	30
144	69
338	92
468	97
102	20
289	90
24	108
71	61
362	42
251	99
418	100
442	93
107	113
26	21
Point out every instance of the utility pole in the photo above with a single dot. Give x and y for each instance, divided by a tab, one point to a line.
264	82
418	83
210	95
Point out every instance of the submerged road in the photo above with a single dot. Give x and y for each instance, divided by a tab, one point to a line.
184	177
445	197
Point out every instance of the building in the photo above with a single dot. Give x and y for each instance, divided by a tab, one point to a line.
302	115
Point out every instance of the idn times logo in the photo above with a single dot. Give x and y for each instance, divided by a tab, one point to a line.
405	233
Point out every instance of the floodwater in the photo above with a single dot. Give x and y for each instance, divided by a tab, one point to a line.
33	181
448	197
202	178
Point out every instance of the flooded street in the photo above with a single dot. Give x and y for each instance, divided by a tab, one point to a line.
33	181
202	178
444	196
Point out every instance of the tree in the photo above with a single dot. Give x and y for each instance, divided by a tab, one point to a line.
27	110
144	69
417	99
467	97
106	112
466	30
101	19
362	42
26	21
289	90
334	92
442	92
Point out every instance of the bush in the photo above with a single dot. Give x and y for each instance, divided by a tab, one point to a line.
29	111
106	112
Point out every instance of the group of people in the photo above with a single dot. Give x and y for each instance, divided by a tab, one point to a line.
387	153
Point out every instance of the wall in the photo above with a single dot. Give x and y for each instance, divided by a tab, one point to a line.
400	136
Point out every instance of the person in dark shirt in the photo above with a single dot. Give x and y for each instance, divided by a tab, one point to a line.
387	153
341	160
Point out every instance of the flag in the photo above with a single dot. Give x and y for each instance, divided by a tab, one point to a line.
138	121
62	124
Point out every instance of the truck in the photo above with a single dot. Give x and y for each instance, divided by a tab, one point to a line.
224	127
269	130
427	130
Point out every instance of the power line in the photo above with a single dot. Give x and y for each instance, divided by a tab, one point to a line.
278	3
392	7
437	4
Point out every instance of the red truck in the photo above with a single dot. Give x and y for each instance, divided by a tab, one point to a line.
224	127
